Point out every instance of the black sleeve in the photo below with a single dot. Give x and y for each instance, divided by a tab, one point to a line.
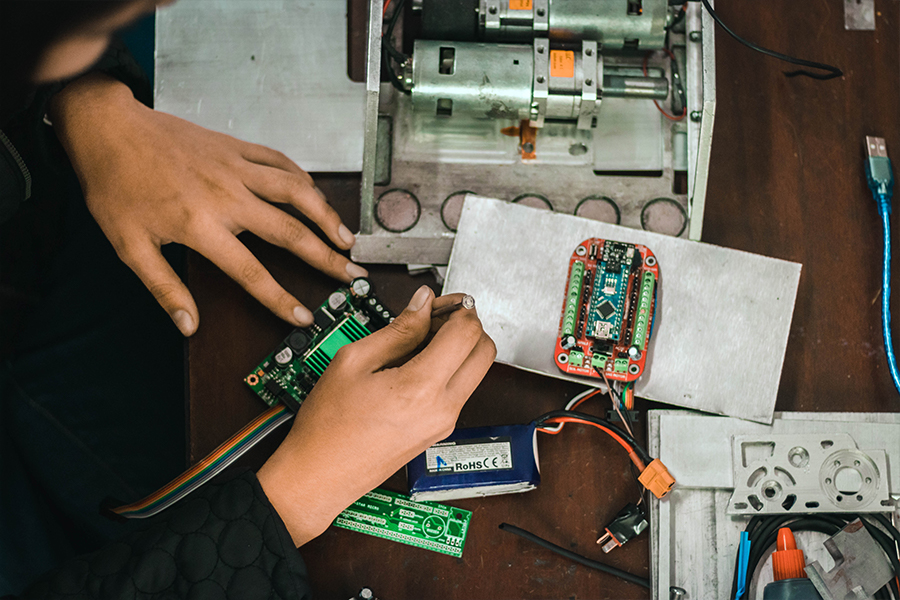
223	541
30	155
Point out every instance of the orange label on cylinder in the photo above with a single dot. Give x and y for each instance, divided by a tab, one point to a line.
519	4
562	63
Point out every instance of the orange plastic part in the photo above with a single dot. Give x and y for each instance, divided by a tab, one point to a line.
657	479
787	560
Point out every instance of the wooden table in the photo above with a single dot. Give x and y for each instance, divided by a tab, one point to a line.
786	181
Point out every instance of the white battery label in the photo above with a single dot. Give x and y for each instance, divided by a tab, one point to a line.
467	456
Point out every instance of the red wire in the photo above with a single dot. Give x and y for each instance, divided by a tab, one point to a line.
631	453
664	113
384	8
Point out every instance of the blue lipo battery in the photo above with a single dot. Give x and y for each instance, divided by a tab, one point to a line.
479	461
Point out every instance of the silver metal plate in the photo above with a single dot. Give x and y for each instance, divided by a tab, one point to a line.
273	73
827	472
720	333
693	540
859	15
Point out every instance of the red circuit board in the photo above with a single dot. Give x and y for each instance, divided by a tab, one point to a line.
608	309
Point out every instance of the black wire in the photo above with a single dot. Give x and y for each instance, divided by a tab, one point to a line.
678	19
643	454
763	533
388	51
625	575
832	72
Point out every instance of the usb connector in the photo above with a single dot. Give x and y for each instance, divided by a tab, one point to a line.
879	174
880	177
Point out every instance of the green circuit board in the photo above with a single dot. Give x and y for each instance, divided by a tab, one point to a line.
288	374
395	517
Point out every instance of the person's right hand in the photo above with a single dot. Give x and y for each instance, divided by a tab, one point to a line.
365	418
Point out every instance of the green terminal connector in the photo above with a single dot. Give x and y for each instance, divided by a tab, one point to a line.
598	361
621	365
576	358
573	298
642	320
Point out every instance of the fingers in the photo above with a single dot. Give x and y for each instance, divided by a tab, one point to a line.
398	339
473	369
450	347
277	185
263	155
277	227
148	263
230	255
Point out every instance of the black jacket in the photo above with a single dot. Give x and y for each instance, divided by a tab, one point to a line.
223	541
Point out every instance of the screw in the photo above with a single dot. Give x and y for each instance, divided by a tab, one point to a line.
540	49
677	593
365	594
540	12
540	79
588	51
493	10
695	36
589	82
528	147
696	115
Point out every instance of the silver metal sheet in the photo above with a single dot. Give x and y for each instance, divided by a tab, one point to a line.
272	72
693	541
721	330
859	15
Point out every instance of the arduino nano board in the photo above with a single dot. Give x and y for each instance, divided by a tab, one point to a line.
607	316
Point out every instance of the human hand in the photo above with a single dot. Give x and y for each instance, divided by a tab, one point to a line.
365	419
150	179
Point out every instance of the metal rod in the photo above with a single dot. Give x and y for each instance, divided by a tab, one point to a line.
467	302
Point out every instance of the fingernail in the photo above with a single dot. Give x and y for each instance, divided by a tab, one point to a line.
346	236
303	316
184	322
354	270
419	298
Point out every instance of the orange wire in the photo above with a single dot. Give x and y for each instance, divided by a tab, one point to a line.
384	8
664	113
631	453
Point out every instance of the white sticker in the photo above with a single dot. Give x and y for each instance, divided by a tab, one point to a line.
466	456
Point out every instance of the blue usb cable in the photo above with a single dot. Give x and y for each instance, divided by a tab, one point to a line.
881	181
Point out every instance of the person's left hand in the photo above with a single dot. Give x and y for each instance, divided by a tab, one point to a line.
150	178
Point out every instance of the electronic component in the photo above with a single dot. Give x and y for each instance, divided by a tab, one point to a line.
480	461
608	313
396	517
627	525
521	82
289	373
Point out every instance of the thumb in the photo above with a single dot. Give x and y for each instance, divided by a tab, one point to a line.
401	337
148	263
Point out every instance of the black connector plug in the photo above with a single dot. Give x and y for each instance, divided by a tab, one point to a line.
627	525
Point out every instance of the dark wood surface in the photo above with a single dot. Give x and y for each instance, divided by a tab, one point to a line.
786	181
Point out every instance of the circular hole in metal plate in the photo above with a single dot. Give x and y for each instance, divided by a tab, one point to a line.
798	456
599	208
397	210
534	201
451	209
578	149
563	357
664	215
634	369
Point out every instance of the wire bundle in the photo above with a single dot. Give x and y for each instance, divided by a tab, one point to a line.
763	532
389	53
209	467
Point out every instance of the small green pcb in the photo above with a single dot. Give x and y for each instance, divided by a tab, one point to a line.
394	516
289	373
